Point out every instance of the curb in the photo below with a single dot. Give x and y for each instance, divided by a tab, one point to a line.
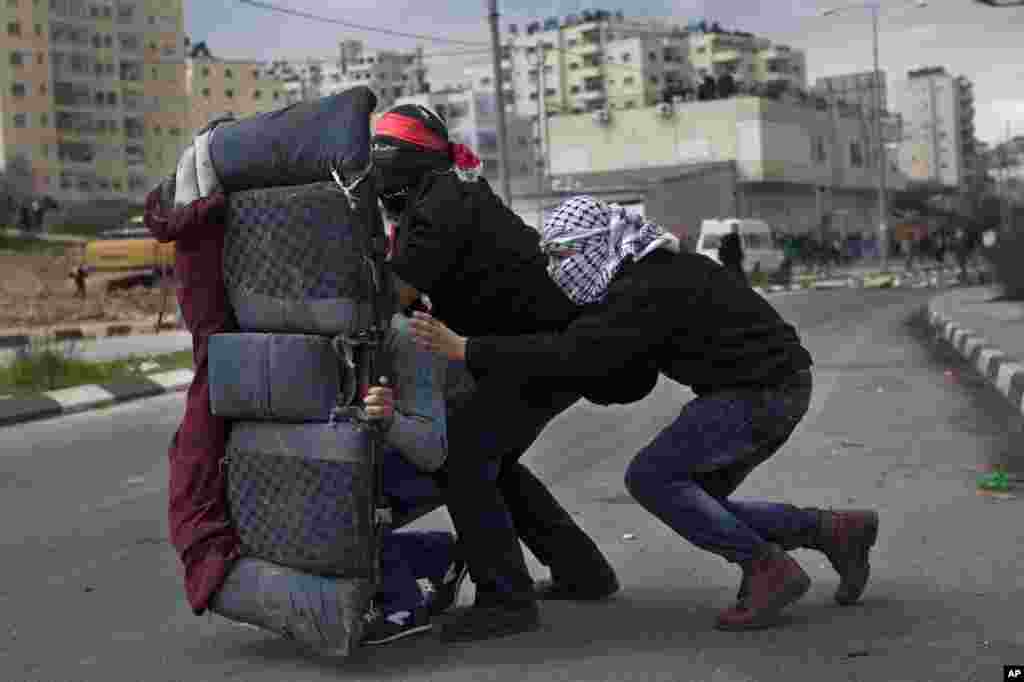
1005	375
90	397
15	341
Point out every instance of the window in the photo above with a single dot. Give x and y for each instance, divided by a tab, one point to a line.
18	90
108	41
40	58
205	71
626	57
550	92
628	80
157	130
229	93
257	95
12	3
112	99
17	59
277	95
156	75
653	56
39	29
206	92
654	80
228	73
21	120
44	120
14	28
630	104
856	155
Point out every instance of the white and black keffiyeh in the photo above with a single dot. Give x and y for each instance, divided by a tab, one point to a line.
588	241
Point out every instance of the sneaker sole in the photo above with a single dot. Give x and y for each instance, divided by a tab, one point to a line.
870	537
398	635
770	614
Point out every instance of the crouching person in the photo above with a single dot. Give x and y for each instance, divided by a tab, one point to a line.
421	572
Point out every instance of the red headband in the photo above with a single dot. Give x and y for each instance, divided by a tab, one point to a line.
409	130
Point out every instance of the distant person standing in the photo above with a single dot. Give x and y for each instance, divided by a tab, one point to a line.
80	274
730	253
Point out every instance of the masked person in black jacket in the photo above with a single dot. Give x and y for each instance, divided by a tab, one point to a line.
482	268
705	329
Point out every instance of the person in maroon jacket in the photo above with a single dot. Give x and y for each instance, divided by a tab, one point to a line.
200	528
704	328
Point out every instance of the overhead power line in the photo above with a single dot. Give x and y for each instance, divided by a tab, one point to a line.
359	27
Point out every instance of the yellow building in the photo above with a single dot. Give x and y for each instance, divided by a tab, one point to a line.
92	94
219	86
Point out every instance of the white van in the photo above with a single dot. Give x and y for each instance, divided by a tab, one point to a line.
755	235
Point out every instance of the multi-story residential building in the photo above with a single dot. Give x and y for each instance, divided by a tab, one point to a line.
856	88
389	73
219	86
597	60
939	128
92	94
748	58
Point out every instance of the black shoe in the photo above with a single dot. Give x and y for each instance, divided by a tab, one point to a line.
443	596
552	590
381	628
495	620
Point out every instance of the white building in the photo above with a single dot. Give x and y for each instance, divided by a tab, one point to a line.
797	167
939	128
856	88
390	74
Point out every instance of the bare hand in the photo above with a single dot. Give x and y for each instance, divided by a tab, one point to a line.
380	402
432	335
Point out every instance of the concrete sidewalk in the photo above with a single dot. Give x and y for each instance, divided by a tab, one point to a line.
987	332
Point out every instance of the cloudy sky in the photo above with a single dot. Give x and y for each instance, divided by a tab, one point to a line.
985	44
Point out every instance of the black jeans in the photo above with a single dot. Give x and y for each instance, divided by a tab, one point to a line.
493	500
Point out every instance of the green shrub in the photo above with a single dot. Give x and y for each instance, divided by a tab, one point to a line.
1006	258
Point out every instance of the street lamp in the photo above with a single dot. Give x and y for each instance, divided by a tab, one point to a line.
883	157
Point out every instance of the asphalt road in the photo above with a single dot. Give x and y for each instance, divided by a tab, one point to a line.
91	591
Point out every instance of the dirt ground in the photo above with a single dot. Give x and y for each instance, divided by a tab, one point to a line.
36	291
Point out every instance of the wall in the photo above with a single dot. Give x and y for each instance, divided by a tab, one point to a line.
680	205
699	132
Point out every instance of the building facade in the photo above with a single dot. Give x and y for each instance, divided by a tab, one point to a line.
748	58
797	167
858	89
228	86
939	128
92	94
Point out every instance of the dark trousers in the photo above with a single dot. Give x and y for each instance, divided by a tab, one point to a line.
686	475
493	500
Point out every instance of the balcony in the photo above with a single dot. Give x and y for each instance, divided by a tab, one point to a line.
725	56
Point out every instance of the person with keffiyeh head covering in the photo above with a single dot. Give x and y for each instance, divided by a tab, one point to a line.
704	328
484	273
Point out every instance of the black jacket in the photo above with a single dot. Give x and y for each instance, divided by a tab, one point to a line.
485	274
689	316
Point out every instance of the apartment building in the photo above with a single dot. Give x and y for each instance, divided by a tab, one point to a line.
92	94
389	73
939	128
857	89
748	58
597	60
218	86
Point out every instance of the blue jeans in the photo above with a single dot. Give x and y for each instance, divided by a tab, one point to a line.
687	473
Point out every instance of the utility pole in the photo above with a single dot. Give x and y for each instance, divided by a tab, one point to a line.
541	132
883	156
499	103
